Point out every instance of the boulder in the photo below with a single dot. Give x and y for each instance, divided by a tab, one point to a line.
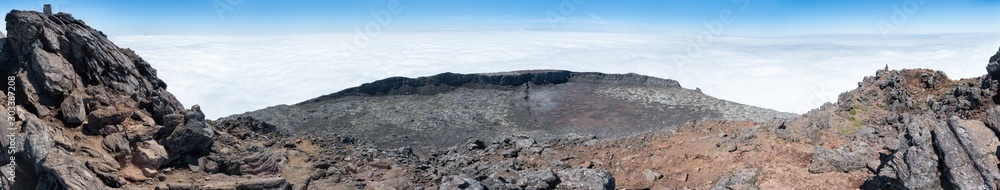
194	136
544	179
843	159
652	176
103	120
73	110
117	144
170	122
742	179
149	156
207	165
581	178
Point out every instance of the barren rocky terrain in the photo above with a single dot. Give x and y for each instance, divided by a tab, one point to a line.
88	114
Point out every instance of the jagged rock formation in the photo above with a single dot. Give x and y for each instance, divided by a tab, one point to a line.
434	110
75	86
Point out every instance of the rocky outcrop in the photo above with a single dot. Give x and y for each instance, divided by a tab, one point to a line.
843	159
966	148
70	76
194	136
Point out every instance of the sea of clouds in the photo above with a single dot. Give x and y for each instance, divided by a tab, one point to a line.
235	74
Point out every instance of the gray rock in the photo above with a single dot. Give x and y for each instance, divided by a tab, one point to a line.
967	162
272	183
73	110
745	179
170	122
581	178
544	179
149	156
207	165
456	182
65	66
102	121
474	144
163	105
262	161
117	144
651	176
510	153
45	149
843	159
179	186
916	163
55	74
993	68
194	136
995	57
107	172
993	118
524	142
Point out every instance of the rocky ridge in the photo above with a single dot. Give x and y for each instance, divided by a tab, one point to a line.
431	111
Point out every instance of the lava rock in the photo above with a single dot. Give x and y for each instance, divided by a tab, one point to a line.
73	110
580	178
195	136
915	164
456	182
272	183
995	57
103	121
967	161
117	144
170	122
742	179
149	156
544	179
844	159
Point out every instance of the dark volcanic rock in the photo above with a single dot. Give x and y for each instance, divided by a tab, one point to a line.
73	110
194	136
117	144
105	120
69	74
450	81
995	57
432	111
993	68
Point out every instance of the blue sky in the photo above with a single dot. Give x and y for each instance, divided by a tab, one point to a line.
759	18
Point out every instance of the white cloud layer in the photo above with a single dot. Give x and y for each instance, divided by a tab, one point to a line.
230	75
